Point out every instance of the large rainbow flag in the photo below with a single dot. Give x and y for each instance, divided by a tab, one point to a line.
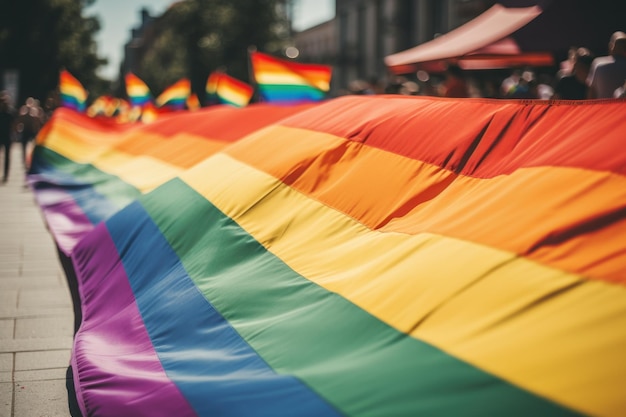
366	256
282	81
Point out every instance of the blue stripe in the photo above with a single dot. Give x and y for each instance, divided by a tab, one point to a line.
72	102
214	368
45	174
284	94
139	101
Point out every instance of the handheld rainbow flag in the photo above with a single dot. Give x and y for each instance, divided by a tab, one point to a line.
137	91
175	96
73	94
224	89
286	82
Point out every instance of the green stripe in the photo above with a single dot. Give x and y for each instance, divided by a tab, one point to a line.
118	192
358	363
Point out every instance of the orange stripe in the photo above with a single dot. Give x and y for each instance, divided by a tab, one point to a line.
183	150
526	215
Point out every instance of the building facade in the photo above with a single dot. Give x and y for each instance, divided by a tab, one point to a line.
365	31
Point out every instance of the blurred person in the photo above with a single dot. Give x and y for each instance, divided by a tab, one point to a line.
510	83
395	84
29	119
566	67
526	87
454	84
6	130
573	86
607	73
544	89
48	108
360	87
409	88
376	85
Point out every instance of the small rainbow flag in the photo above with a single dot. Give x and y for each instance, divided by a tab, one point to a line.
224	89
99	107
73	94
107	106
282	81
175	96
137	91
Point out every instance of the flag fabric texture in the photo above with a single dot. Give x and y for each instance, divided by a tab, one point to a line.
282	81
221	88
175	96
137	90
73	94
366	256
84	169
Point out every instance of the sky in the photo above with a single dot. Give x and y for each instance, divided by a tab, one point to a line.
118	17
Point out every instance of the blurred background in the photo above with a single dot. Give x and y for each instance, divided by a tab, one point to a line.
161	41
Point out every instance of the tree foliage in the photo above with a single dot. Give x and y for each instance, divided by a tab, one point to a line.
40	37
195	37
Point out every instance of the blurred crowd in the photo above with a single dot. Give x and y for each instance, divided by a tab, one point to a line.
19	126
583	75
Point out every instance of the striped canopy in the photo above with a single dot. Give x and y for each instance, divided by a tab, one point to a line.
366	256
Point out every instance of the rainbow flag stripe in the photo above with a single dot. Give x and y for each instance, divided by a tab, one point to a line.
175	96
282	81
137	91
368	256
72	93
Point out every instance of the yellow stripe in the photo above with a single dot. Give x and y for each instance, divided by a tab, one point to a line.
547	331
143	172
234	96
67	141
281	78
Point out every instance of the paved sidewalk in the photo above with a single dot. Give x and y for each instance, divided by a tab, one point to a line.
36	315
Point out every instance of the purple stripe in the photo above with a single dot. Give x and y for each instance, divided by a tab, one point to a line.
123	376
66	220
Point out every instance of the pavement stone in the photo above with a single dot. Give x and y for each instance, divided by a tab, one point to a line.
36	312
41	398
6	399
